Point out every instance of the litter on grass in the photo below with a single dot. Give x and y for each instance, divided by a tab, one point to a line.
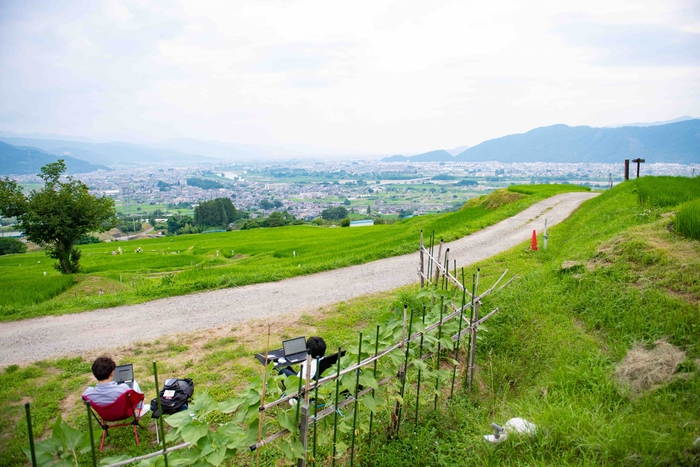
514	425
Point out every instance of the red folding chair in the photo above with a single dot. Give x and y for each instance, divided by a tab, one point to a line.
123	408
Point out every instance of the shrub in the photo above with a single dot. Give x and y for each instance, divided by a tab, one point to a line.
11	245
687	220
87	239
345	222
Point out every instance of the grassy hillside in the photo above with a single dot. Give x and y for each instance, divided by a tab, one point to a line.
190	263
614	279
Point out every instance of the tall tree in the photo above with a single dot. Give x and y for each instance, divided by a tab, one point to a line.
58	214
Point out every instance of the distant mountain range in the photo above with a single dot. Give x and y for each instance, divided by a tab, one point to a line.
677	142
19	160
664	122
670	143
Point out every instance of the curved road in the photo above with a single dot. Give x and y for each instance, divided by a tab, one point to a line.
40	338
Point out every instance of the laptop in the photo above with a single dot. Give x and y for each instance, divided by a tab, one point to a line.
295	350
124	374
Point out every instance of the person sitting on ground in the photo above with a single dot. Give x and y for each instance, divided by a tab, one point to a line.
106	391
316	347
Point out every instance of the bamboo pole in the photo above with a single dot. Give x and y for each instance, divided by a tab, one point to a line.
357	390
304	432
430	254
262	397
445	272
437	263
133	460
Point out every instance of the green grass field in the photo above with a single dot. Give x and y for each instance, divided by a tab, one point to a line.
189	263
550	356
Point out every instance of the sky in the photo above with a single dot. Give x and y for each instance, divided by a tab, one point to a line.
389	77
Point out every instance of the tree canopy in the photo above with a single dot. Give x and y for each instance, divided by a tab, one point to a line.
334	214
58	214
219	212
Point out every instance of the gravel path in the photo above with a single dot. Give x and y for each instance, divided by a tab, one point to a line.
40	338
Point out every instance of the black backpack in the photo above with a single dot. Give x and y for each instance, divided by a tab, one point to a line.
173	397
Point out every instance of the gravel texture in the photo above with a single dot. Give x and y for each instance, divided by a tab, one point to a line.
74	334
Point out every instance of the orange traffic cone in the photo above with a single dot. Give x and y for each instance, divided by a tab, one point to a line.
533	245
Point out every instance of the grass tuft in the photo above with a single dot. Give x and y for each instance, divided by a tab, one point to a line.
687	221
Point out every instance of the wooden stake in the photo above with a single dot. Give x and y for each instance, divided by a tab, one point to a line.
437	266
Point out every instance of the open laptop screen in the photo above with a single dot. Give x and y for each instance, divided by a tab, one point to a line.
294	346
124	373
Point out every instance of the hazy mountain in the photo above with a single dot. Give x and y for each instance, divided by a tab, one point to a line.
439	155
671	143
114	153
397	158
457	150
20	160
666	122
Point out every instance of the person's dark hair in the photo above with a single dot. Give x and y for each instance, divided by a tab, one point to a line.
316	347
102	367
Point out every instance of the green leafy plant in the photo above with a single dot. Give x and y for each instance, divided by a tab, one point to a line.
62	448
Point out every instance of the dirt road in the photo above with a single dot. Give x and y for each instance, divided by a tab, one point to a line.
37	339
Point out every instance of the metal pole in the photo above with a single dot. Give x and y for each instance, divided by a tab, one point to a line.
545	234
374	375
422	272
31	433
419	371
92	435
405	369
445	283
437	363
471	322
335	422
459	335
357	390
318	376
296	418
473	325
160	412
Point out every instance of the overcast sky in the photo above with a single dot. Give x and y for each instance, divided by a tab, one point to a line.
367	76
